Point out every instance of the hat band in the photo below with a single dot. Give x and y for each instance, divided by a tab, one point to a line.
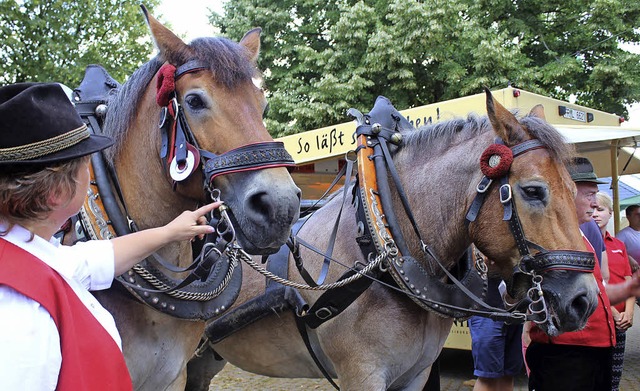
45	147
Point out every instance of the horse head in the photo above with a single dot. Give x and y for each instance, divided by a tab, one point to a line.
211	123
528	162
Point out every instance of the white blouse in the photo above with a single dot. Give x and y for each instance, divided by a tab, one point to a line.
30	354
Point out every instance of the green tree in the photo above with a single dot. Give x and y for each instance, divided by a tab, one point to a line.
54	40
321	58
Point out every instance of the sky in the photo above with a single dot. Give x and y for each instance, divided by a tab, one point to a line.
189	19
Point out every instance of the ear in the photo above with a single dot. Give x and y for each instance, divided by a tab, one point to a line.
538	111
251	42
505	124
170	47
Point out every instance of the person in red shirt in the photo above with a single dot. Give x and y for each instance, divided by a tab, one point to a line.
619	272
579	360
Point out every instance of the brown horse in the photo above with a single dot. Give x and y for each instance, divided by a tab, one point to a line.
383	340
223	108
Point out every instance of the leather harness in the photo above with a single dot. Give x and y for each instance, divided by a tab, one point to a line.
214	278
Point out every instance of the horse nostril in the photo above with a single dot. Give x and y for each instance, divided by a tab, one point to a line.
582	306
259	204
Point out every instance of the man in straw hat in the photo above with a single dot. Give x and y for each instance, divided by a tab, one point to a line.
55	334
579	360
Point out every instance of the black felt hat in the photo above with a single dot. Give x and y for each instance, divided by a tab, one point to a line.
581	170
40	125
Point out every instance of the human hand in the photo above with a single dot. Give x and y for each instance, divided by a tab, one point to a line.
622	321
192	224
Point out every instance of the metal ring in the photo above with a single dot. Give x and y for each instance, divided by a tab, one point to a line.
181	173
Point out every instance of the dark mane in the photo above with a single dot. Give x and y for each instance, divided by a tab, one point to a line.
444	134
227	60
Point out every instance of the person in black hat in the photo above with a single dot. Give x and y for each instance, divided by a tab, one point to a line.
53	333
579	360
584	176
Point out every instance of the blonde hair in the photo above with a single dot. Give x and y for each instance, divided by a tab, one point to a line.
604	200
25	193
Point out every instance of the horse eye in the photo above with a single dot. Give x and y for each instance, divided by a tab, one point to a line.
195	102
534	193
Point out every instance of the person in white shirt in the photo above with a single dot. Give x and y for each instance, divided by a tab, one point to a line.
44	177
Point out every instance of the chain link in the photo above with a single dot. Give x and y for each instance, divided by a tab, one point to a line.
246	258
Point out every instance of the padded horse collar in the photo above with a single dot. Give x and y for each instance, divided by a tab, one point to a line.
381	229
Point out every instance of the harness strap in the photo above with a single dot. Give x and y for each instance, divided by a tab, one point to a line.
302	329
247	158
334	231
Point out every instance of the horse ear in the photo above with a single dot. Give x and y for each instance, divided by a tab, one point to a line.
504	123
170	47
251	41
538	111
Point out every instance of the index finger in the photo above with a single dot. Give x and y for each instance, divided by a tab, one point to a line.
203	210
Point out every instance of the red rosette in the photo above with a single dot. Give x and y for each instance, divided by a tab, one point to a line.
496	160
165	85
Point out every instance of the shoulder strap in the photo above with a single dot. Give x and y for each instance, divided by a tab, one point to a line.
91	359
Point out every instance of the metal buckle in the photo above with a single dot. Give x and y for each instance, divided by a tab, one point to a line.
163	117
323	313
484	184
175	106
505	193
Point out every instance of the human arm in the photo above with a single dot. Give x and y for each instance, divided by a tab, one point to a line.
625	319
633	264
132	248
604	267
618	293
526	337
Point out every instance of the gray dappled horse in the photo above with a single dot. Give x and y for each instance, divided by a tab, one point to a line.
383	340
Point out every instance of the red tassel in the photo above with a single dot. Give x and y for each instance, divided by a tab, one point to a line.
166	84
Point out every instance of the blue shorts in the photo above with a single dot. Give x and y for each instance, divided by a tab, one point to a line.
496	348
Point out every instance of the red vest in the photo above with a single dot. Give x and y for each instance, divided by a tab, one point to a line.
91	359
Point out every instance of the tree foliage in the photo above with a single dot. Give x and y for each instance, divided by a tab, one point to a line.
320	58
54	40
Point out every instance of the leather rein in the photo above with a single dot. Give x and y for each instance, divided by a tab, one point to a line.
105	215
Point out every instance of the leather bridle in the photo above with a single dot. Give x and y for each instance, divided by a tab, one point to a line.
180	150
495	165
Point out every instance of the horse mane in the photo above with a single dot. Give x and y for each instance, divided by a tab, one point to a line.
442	135
227	60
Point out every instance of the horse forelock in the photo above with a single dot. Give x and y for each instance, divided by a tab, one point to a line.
440	136
228	61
